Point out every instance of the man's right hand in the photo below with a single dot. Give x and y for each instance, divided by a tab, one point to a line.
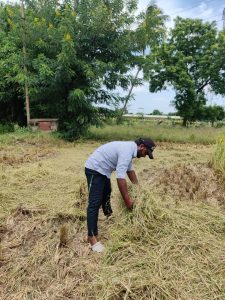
130	204
122	184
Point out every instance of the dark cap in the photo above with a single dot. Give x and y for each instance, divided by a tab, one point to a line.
149	144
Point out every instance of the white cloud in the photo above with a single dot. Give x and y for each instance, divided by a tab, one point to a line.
202	11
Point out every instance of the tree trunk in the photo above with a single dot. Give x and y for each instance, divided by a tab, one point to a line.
76	3
26	89
184	122
119	118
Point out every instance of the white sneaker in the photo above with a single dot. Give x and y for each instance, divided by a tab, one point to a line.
98	247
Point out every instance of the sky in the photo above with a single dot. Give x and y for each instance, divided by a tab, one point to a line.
208	10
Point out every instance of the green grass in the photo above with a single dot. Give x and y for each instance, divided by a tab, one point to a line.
24	135
160	133
165	132
218	160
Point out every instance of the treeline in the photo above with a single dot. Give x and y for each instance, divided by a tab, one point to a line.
65	59
209	113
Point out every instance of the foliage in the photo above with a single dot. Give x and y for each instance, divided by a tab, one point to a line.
75	59
183	62
79	52
156	112
172	114
216	68
211	113
149	34
5	128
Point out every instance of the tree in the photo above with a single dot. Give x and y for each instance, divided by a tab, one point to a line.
149	34
77	54
212	113
12	76
183	62
217	68
74	59
26	87
156	112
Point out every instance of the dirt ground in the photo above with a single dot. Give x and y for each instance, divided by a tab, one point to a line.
43	201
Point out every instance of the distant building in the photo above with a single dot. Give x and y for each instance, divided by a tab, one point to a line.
153	117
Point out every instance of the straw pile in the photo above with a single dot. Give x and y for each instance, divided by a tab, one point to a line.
165	250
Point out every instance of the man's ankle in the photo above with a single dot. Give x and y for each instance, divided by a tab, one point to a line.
92	240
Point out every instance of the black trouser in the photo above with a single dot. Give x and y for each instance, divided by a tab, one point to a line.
99	187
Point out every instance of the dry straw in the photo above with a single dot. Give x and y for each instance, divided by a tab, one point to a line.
218	159
162	250
165	250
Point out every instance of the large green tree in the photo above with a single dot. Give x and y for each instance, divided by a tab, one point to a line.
11	66
77	54
190	61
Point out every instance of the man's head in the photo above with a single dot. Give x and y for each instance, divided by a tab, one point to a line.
145	147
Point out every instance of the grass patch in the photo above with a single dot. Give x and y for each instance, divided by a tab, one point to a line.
160	133
24	135
218	160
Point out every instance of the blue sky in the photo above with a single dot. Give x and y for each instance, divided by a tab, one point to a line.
208	10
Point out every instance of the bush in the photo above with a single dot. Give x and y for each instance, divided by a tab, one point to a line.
220	124
5	128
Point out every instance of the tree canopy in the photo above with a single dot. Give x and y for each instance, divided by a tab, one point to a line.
75	59
190	61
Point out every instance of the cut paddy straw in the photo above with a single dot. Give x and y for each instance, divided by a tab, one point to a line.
161	250
165	250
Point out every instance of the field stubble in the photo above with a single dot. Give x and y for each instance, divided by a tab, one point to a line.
170	247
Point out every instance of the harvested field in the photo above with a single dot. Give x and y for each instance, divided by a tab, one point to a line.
170	247
190	182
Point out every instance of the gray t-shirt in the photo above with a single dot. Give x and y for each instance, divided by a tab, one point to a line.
113	156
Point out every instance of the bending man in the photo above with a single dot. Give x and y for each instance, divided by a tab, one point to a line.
113	156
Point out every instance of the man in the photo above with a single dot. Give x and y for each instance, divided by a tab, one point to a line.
113	156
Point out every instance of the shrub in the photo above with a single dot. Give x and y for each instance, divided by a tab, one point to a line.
4	128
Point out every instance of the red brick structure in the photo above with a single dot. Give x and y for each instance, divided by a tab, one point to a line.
48	125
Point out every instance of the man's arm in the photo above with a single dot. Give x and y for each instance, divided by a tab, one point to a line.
122	185
132	176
